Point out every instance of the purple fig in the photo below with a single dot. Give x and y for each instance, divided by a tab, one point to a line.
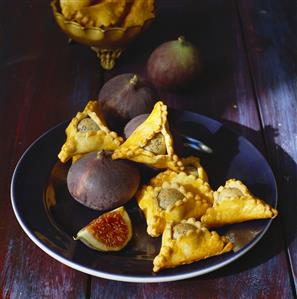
174	64
100	183
124	97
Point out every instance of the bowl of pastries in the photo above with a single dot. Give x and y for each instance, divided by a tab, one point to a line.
107	26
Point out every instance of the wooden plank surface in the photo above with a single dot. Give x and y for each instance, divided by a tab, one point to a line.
270	33
44	81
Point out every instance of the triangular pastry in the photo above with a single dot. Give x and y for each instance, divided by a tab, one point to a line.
87	132
233	203
186	242
169	202
151	142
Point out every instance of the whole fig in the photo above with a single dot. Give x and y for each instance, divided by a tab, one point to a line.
124	97
174	65
101	183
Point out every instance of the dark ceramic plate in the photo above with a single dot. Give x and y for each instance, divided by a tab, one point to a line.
50	217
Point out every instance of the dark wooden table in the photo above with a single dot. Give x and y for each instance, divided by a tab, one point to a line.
249	49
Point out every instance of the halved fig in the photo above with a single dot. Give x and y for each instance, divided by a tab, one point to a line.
109	232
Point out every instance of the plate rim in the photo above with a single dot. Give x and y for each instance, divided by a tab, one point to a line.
135	278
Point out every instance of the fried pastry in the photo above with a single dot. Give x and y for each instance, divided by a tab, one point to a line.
70	7
192	171
234	203
193	167
186	242
151	142
169	202
87	132
141	11
104	14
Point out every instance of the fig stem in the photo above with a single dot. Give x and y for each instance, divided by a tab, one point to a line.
134	80
181	39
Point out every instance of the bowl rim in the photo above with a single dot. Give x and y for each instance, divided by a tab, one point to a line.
58	14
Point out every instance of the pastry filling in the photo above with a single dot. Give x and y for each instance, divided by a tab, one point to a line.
168	196
157	145
230	192
181	229
87	124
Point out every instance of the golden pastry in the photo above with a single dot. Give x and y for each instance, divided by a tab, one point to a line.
76	158
169	202
233	203
103	14
193	167
70	7
186	242
141	11
87	132
151	142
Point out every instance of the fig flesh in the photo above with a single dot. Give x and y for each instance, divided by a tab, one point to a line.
174	65
124	97
101	183
109	232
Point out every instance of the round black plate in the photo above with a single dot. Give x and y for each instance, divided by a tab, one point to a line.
51	218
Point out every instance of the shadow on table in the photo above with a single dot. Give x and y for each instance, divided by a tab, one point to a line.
274	242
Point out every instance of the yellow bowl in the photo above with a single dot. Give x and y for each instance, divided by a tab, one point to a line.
107	43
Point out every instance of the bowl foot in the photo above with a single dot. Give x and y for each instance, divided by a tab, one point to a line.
107	57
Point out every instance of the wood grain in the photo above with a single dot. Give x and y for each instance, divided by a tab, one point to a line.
43	81
270	32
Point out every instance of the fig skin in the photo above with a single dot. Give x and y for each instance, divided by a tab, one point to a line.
134	123
124	97
174	65
100	183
